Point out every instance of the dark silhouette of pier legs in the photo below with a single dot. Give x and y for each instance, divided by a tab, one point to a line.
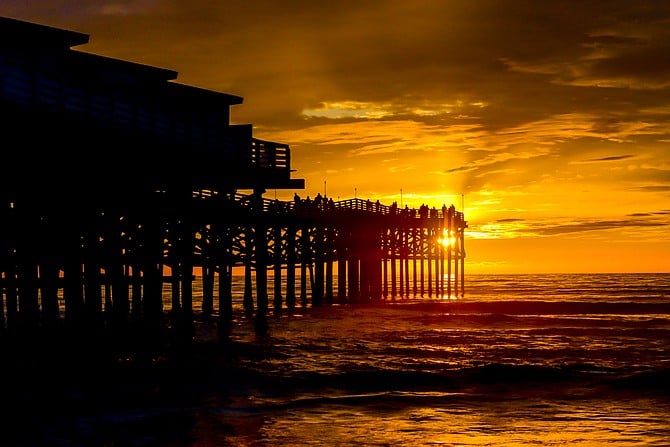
135	288
248	299
48	276
319	273
208	287
290	265
413	250
422	262
277	269
462	251
385	266
110	265
329	248
261	270
225	301
152	302
341	272
304	263
117	278
393	246
352	278
401	263
175	283
429	260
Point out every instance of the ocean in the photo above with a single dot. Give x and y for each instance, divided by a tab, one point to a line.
519	360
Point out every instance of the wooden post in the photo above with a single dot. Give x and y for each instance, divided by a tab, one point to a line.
438	260
277	264
72	282
92	295
248	299
175	283
352	277
422	251
48	277
290	265
394	248
306	254
462	250
225	283
319	259
385	256
401	260
406	252
186	254
136	289
261	269
208	271
225	300
118	281
456	257
450	248
152	300
28	296
342	265
328	246
415	251
376	263
429	258
11	298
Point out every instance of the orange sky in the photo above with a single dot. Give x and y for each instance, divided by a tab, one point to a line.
550	119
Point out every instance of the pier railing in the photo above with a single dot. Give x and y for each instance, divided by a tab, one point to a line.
270	155
320	205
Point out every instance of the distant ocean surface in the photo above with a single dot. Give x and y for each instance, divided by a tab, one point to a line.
520	360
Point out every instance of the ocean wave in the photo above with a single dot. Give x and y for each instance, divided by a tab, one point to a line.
538	307
481	379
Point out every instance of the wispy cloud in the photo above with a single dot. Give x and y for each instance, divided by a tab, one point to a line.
610	158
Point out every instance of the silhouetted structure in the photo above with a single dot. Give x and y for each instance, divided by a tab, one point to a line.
118	179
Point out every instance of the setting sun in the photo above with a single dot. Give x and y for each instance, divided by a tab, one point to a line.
446	240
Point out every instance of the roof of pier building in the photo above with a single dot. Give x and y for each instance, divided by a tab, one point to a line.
120	120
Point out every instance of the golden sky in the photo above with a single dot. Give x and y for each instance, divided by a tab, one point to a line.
549	120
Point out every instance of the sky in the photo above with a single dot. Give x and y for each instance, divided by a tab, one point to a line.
547	123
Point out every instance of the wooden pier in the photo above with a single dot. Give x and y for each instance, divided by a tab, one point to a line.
118	180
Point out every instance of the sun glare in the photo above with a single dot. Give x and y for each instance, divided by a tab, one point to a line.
446	240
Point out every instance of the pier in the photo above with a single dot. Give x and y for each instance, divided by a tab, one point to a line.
119	180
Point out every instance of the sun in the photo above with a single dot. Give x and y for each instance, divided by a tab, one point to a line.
447	240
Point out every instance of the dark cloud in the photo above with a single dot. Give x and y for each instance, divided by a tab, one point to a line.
654	188
517	56
459	169
552	230
610	158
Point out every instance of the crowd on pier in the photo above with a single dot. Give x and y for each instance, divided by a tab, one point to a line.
327	204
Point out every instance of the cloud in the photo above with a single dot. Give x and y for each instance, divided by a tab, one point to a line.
609	158
653	188
596	226
517	227
509	220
